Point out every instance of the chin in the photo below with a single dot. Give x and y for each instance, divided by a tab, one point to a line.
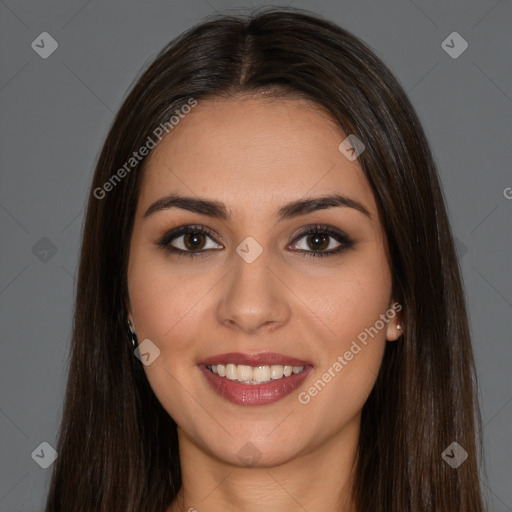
257	453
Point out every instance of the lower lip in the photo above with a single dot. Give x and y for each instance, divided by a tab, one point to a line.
254	394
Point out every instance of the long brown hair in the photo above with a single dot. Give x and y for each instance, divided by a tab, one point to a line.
118	448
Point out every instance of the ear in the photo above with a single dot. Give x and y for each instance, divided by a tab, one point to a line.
394	330
395	326
129	316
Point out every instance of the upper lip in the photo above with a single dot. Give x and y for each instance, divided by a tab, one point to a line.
261	359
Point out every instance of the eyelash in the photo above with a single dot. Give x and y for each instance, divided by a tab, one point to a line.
341	237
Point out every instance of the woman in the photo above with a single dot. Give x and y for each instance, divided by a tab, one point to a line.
269	310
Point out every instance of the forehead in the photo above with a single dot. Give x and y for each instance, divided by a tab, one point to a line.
254	153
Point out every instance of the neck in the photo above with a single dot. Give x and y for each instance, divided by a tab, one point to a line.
320	479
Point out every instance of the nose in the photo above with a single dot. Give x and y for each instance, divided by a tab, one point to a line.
253	298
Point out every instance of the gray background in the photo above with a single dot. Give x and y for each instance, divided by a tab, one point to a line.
55	114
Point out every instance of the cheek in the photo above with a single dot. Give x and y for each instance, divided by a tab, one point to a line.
163	301
165	305
349	298
351	305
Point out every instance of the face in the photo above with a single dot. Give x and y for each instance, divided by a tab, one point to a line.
270	321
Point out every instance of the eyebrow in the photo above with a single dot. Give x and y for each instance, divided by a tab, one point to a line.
218	210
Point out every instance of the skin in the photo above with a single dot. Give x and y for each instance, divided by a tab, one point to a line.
255	155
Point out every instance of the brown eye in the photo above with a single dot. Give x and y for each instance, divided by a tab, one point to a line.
322	240
318	242
188	241
193	241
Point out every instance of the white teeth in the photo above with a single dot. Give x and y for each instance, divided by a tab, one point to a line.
262	373
231	371
243	372
276	371
254	374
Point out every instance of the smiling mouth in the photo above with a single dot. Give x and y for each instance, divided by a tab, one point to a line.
254	375
254	385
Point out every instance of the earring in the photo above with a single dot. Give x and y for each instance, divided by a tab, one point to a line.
132	334
399	327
